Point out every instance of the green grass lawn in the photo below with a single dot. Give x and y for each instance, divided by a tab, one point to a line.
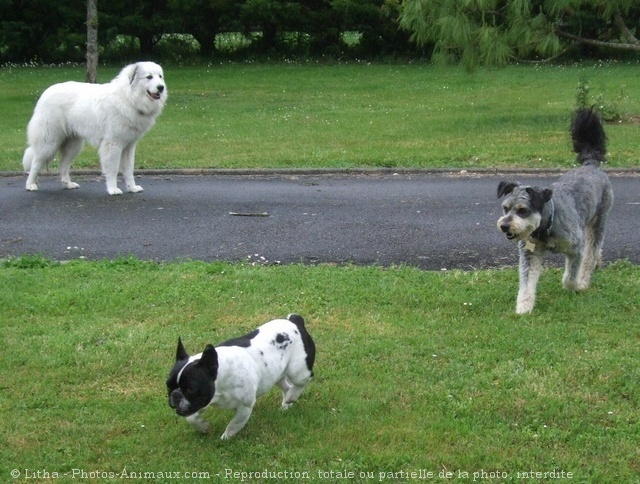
352	115
416	372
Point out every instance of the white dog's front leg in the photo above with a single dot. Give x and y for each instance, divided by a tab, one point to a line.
110	153
198	422
237	422
126	167
530	270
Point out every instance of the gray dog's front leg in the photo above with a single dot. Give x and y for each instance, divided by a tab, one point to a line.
530	270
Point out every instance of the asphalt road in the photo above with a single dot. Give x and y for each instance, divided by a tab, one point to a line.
432	221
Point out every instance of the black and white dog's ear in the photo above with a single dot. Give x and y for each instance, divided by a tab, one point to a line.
209	359
181	353
504	188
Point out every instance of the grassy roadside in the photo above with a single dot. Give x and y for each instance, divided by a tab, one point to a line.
416	371
351	115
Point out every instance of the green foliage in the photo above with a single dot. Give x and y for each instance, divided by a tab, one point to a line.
582	94
55	32
496	33
477	33
36	261
415	370
474	33
611	109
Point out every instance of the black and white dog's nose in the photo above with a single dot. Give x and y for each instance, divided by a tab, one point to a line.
174	398
160	88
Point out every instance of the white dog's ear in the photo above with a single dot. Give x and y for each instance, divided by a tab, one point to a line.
128	73
132	76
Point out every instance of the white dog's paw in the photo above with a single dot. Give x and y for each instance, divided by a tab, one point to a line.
135	189
69	185
285	405
32	187
114	191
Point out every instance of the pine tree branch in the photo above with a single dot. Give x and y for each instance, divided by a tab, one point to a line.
624	30
549	59
599	43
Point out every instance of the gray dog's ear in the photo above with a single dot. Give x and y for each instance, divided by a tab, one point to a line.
538	197
504	188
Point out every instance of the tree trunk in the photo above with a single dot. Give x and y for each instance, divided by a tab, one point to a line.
92	41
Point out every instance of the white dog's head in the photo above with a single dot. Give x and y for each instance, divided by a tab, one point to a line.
148	87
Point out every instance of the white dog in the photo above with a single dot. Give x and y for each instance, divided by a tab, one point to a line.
112	117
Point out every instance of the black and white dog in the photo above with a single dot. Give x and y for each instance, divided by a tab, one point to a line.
235	373
568	217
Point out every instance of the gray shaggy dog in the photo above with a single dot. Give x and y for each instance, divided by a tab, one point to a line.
568	217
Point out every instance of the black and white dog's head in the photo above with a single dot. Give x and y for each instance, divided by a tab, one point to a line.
522	209
191	381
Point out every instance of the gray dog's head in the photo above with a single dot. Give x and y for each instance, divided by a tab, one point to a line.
522	209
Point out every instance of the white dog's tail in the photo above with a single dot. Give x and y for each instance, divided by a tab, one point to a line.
27	158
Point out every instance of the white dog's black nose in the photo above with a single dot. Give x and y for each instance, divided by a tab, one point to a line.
160	88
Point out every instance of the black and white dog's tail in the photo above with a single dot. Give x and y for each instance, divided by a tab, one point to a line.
588	136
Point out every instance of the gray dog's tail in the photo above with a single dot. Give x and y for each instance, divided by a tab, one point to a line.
588	136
